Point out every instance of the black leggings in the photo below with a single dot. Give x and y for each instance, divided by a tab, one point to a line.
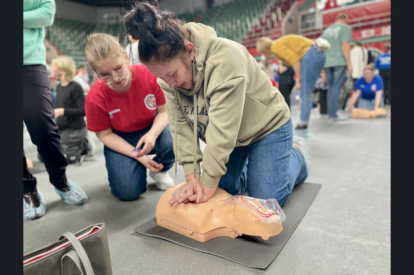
285	90
38	114
386	78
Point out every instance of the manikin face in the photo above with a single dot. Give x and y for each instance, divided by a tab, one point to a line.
55	71
177	72
368	75
115	69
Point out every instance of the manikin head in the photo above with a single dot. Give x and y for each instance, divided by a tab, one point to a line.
109	61
164	47
369	72
63	68
263	46
341	18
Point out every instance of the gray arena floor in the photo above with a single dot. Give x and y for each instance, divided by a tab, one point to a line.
346	230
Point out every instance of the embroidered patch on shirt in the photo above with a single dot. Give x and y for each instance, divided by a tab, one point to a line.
150	102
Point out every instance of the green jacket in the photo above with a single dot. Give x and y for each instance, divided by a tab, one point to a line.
37	14
235	103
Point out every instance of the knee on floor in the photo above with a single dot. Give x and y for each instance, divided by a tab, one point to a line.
128	195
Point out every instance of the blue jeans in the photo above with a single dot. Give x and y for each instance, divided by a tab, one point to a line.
335	77
311	65
128	177
369	104
267	168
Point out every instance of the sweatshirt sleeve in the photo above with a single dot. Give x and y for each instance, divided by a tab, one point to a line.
41	16
185	133
225	115
79	97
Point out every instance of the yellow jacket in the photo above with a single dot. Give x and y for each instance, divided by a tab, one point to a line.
291	48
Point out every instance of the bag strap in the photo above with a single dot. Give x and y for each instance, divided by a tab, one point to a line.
74	257
80	251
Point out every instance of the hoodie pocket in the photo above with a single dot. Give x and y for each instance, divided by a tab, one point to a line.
252	121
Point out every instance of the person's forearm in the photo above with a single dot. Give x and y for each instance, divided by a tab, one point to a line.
118	144
74	112
354	98
297	67
159	124
191	176
346	50
378	98
40	17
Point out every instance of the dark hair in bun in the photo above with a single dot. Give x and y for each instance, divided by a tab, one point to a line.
161	37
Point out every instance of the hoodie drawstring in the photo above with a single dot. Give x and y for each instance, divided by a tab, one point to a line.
175	133
195	144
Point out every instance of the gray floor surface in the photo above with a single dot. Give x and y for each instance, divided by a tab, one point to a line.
346	230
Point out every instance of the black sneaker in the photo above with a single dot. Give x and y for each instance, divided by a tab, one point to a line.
301	127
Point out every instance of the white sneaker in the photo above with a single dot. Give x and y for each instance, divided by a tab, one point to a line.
163	181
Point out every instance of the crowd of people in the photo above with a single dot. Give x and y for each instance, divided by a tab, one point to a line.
330	66
174	84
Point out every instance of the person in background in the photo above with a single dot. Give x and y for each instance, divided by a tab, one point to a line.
338	60
262	66
69	110
321	85
132	51
307	61
286	81
38	113
359	60
383	64
82	78
369	90
126	109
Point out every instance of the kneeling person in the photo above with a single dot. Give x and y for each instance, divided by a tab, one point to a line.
126	109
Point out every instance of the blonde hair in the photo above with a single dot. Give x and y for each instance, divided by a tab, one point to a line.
67	65
100	46
263	44
370	66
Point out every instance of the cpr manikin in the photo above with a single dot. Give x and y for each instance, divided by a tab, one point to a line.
365	113
223	215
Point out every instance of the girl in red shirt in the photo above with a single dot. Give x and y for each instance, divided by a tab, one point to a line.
126	110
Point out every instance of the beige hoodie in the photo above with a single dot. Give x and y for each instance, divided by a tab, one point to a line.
235	103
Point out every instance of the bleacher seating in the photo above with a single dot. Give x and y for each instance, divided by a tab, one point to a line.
269	24
235	20
70	37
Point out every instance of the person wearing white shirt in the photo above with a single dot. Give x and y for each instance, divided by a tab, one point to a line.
83	78
132	51
359	59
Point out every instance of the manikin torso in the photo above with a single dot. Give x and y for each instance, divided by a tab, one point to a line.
223	215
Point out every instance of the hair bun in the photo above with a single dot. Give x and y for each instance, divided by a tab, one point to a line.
145	19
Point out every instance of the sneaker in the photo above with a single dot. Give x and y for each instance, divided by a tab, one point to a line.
302	131
301	145
89	158
337	118
163	181
73	196
33	206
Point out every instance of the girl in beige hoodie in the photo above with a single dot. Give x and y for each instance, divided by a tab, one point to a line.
215	84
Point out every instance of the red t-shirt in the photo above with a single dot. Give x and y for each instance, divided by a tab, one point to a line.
126	112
